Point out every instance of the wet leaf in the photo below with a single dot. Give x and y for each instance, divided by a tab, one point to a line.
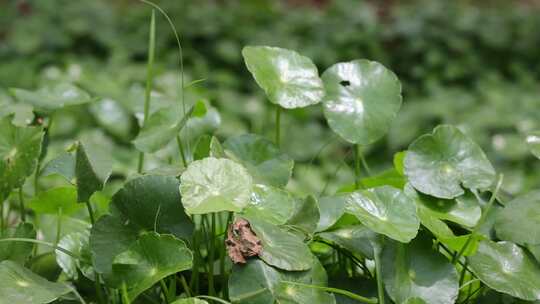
151	258
385	210
270	204
261	158
258	283
214	185
417	272
519	221
441	164
78	243
362	99
22	286
20	148
288	78
281	248
506	267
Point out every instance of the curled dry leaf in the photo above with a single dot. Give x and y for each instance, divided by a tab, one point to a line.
242	242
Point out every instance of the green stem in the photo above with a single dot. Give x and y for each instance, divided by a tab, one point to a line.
21	205
195	269
187	290
480	221
357	170
124	293
224	278
55	247
148	90
336	291
90	213
380	287
165	291
58	226
211	255
181	149
364	162
278	125
97	287
1	218
214	299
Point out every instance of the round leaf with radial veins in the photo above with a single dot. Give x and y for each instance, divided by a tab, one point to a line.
441	164
385	210
519	221
214	185
362	98
507	268
288	78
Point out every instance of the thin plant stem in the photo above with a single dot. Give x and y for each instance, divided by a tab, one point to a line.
357	171
183	281
164	290
278	125
56	247
124	294
97	287
181	149
480	221
149	76
90	212
364	162
21	205
1	218
378	274
211	255
214	299
224	277
76	293
58	226
195	269
336	291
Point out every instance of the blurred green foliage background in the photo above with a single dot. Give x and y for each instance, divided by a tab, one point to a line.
475	64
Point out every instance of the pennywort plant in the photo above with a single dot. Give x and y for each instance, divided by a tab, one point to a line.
219	225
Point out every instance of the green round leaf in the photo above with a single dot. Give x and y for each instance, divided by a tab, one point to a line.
416	271
259	283
109	237
441	163
362	99
355	238
288	78
78	243
63	165
113	117
385	210
261	158
519	221
53	201
506	267
214	185
305	216
282	249
270	204
151	258
463	210
53	97
22	286
331	209
19	152
533	141
153	202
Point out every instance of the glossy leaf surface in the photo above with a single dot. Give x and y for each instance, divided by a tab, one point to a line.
441	163
385	210
362	99
288	78
213	185
519	221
